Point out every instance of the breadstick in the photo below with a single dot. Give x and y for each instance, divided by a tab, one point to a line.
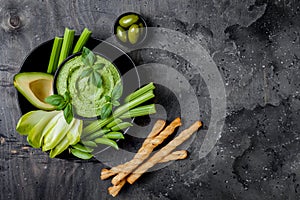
184	135
175	155
158	126
145	151
114	190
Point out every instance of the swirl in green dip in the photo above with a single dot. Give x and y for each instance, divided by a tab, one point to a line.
87	99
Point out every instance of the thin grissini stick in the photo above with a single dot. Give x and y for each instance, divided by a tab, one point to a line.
157	128
114	190
145	151
166	150
175	155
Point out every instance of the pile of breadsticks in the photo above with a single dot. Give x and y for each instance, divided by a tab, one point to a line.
133	169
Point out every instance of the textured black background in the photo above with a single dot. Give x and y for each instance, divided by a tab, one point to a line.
256	47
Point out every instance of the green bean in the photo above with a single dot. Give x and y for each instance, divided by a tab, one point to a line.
107	141
121	126
114	135
89	143
113	123
97	134
82	148
80	154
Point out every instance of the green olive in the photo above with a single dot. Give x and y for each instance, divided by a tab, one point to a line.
121	34
128	20
141	28
133	33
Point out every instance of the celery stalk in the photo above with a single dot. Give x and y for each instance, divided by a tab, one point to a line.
139	92
53	62
139	111
66	45
86	33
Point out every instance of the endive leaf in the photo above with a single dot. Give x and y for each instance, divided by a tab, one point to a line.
55	133
75	131
28	121
35	135
62	145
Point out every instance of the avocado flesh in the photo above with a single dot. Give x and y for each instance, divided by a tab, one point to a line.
35	87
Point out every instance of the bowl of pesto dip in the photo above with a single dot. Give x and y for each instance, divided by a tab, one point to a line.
90	84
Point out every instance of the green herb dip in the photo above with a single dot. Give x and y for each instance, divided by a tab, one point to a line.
87	99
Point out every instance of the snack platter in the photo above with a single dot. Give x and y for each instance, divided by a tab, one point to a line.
76	103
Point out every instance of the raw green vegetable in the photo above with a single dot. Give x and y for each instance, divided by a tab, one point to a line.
28	121
139	111
74	132
86	33
121	126
113	123
82	148
66	45
134	103
139	92
58	149
53	62
89	143
54	132
36	135
80	154
33	124
107	141
114	135
96	125
97	134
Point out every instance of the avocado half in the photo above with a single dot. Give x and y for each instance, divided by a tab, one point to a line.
35	87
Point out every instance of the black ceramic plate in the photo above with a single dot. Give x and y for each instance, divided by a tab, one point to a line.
37	61
168	104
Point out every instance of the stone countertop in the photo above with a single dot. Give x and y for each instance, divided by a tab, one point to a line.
256	48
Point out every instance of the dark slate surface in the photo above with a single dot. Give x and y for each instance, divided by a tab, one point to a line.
256	47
